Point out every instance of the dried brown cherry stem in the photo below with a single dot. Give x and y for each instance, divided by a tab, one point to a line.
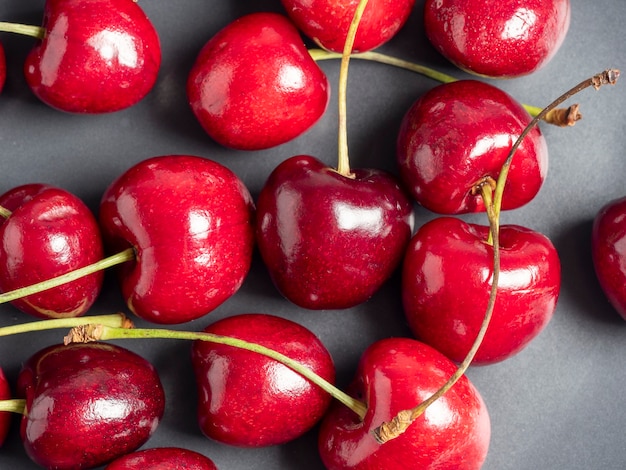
493	200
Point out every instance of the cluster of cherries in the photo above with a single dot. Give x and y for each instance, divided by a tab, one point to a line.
183	230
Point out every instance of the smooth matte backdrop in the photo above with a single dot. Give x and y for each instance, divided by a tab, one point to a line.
558	405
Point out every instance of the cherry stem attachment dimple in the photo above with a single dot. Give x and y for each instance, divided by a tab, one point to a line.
37	32
119	258
98	332
559	117
343	165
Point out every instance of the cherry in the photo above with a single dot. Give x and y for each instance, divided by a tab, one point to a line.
446	281
190	223
331	237
393	375
330	241
254	85
608	254
458	135
504	39
87	404
249	400
93	56
327	21
48	232
162	458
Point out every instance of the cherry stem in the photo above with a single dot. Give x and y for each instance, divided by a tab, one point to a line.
37	32
118	320
99	332
5	213
119	258
608	77
401	422
492	199
343	166
559	117
14	405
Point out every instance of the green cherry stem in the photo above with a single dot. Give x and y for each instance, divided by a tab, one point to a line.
98	332
559	117
116	320
25	30
5	213
13	405
343	166
118	258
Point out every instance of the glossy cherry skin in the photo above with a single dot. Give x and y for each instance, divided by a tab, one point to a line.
190	221
503	39
330	241
608	253
396	374
255	86
447	276
97	56
459	133
5	416
87	404
49	232
327	21
162	458
246	399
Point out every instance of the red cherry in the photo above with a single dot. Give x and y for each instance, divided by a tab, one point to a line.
327	21
609	252
190	221
460	133
162	458
97	56
330	241
396	374
5	416
87	404
505	39
49	232
249	400
446	281
254	84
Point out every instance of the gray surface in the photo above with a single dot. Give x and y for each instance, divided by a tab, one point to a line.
557	405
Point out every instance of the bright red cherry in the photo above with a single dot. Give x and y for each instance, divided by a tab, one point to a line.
397	374
87	404
330	241
446	281
327	21
97	56
504	39
50	232
608	249
162	458
247	399
459	134
190	221
254	84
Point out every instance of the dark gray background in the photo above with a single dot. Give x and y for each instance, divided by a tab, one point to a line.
557	405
